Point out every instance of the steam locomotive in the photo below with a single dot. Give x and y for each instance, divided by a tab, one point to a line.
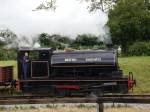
65	73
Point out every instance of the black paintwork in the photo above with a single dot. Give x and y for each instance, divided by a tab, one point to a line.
99	57
47	64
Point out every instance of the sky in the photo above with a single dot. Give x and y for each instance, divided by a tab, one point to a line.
70	18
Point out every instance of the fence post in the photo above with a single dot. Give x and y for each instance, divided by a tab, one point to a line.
100	107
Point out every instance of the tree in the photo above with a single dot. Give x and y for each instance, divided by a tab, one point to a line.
44	39
2	42
49	4
61	42
55	41
103	5
63	39
7	36
147	3
85	41
129	22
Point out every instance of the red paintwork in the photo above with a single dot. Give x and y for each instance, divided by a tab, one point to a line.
130	84
18	86
68	87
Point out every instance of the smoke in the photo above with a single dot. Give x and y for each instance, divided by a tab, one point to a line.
70	18
27	42
36	45
2	39
8	39
13	41
106	36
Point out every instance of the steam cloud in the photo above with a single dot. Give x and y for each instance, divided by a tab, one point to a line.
70	18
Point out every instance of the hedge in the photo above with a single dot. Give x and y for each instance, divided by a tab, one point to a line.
139	49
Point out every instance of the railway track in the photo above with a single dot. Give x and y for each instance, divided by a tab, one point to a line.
9	100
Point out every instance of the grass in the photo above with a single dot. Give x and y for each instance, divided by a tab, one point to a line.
140	66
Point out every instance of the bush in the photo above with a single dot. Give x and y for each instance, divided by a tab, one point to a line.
8	54
139	49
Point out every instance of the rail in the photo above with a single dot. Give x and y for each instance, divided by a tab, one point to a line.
120	98
9	100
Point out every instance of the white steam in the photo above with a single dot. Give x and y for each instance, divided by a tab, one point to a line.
107	36
70	18
2	39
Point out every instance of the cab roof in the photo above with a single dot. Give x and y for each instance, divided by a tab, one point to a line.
33	49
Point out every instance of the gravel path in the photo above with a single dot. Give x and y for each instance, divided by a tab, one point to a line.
117	107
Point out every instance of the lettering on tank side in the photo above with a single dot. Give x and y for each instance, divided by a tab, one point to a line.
93	59
70	59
